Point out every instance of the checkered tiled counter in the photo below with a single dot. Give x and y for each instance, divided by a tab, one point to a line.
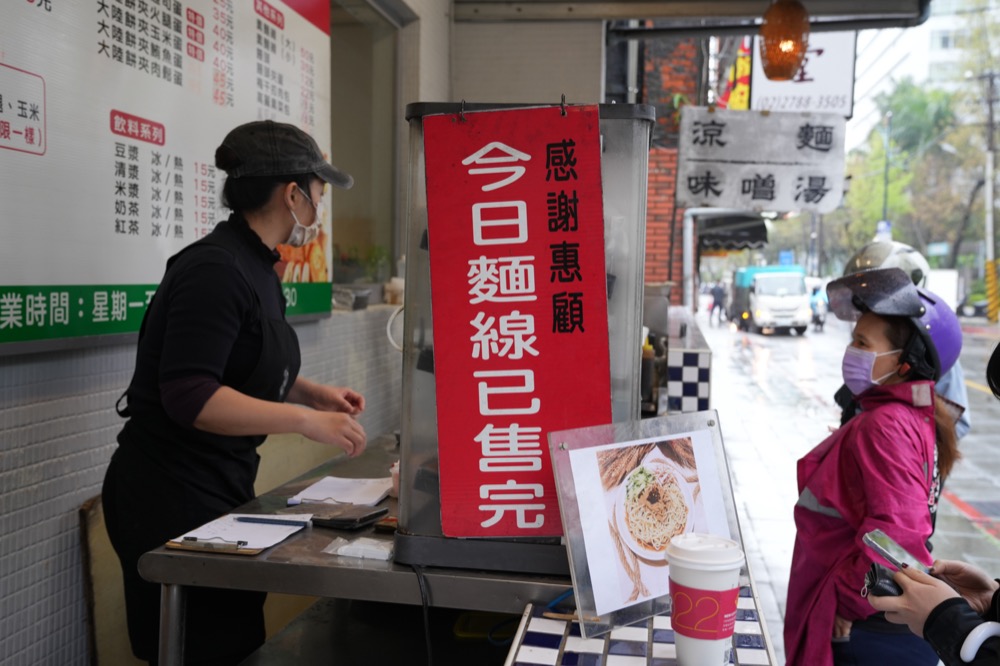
552	642
687	385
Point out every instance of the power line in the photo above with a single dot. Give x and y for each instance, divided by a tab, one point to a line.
888	73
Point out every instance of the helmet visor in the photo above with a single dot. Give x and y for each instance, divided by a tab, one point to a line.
886	291
870	257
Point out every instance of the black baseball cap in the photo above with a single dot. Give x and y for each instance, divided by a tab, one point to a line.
267	148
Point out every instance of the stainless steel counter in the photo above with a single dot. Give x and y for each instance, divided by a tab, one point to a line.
298	565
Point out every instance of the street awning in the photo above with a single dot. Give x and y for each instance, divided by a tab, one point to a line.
727	229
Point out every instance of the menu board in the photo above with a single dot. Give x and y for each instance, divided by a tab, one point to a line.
110	113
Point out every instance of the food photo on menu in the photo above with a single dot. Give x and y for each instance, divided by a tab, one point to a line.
633	498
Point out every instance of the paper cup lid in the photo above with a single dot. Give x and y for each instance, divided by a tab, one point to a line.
704	551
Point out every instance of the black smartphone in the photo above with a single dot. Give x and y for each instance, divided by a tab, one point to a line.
349	516
884	545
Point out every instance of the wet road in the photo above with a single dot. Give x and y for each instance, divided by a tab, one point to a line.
774	395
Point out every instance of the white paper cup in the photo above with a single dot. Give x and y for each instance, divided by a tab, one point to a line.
704	588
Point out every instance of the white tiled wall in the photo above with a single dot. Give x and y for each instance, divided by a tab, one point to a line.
57	433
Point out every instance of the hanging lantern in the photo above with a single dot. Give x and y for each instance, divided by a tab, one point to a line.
784	38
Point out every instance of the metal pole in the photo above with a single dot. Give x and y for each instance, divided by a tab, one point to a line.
689	299
990	249
885	174
813	266
819	246
172	618
990	151
992	289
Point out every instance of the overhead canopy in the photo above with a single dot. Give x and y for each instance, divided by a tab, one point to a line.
729	229
691	17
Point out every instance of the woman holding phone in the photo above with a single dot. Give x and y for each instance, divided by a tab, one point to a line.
880	470
955	607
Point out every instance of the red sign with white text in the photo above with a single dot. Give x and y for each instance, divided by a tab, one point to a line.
516	238
270	12
140	129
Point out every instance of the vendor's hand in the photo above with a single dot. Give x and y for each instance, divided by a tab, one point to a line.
921	594
972	583
338	399
841	627
338	429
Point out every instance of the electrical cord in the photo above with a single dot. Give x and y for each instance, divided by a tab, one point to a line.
425	603
555	602
497	628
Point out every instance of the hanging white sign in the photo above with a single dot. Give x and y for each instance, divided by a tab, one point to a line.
760	161
824	82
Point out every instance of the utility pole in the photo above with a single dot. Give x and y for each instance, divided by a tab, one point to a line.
885	173
992	287
883	229
813	267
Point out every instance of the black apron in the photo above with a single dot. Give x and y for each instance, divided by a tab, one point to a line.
164	480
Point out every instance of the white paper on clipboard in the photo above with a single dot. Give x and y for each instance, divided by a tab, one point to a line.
338	490
243	535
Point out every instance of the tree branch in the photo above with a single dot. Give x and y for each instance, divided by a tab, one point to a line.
966	216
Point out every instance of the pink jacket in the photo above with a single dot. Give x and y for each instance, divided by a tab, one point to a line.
876	471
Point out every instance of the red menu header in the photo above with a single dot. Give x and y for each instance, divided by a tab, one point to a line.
134	127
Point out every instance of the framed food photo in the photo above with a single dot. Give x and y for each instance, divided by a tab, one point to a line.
625	490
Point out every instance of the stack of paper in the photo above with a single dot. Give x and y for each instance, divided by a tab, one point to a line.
239	531
338	490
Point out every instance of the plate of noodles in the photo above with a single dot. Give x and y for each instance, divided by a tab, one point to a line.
652	507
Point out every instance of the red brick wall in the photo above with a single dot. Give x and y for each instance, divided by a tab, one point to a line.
671	78
672	68
664	248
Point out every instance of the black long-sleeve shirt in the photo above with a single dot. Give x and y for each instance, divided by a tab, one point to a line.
950	623
203	331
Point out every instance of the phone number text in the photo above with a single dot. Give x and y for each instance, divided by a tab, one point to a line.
803	103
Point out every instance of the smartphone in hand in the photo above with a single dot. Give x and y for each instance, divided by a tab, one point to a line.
884	545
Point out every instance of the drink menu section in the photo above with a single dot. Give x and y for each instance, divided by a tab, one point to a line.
110	113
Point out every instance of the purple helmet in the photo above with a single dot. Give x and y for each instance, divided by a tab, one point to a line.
939	326
890	292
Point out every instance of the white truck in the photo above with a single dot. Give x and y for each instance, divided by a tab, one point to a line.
770	298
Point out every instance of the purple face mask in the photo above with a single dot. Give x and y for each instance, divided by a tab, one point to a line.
857	369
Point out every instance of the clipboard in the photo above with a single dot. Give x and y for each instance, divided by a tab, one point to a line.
212	547
230	535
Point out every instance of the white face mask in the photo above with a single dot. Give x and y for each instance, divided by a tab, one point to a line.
302	234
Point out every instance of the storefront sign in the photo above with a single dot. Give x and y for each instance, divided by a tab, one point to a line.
824	83
516	238
760	161
736	92
110	113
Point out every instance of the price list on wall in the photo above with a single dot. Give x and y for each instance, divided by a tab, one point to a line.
107	140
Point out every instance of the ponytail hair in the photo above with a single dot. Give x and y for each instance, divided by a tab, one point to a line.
901	334
947	440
